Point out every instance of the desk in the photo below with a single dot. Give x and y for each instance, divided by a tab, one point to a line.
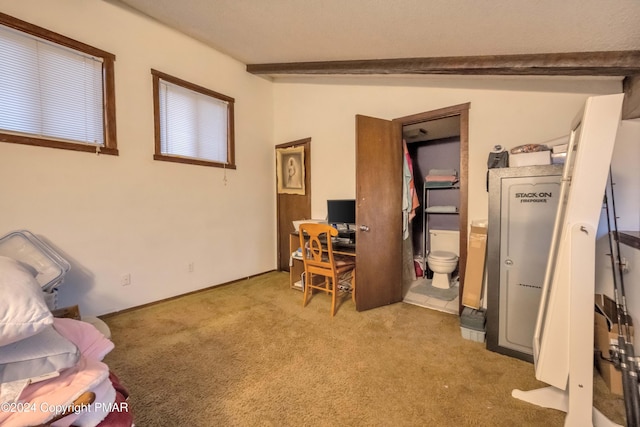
297	265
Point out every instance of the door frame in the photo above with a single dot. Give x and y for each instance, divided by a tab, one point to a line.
291	207
461	110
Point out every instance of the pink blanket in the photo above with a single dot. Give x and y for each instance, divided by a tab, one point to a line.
40	402
441	178
91	342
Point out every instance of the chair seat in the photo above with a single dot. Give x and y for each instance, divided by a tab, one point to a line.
344	263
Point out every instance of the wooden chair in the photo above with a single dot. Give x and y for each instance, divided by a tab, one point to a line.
318	259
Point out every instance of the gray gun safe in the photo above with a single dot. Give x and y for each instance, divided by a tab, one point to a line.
522	208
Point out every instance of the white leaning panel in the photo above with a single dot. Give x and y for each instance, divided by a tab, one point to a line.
596	136
563	338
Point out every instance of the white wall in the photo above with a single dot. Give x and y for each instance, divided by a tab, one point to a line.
113	215
505	111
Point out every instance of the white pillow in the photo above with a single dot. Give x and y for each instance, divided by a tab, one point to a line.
23	311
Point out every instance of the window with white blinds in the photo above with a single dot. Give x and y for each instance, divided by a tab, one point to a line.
193	124
53	90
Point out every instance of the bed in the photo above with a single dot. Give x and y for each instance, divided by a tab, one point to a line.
51	369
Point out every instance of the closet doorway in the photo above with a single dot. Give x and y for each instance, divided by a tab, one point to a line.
437	147
381	264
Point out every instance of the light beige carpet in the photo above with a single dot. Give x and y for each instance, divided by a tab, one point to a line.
249	354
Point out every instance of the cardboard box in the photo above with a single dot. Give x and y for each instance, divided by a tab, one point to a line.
606	323
474	272
530	159
611	376
606	331
71	312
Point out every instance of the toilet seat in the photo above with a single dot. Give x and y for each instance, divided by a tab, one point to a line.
442	263
442	256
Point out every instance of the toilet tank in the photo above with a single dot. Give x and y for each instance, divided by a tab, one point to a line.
445	240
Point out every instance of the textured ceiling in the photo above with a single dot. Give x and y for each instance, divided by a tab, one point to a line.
268	31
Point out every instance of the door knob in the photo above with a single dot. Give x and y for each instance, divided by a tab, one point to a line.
364	228
508	261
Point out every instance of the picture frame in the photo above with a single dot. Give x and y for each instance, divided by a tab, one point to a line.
290	170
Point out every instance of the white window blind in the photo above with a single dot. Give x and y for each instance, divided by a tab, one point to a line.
49	91
192	124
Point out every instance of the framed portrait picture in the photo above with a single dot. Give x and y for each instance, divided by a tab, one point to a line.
290	170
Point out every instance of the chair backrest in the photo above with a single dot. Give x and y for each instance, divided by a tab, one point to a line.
317	250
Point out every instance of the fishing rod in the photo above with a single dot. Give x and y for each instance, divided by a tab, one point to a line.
623	353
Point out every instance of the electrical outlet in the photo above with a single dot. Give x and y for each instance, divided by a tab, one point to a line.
125	280
191	267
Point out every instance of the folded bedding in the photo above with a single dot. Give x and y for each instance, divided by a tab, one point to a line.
91	342
105	395
47	396
88	374
47	363
443	172
441	178
439	184
42	354
442	209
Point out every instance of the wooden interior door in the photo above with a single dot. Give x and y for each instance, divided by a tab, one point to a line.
293	206
379	212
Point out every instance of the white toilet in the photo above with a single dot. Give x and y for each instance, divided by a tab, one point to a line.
443	256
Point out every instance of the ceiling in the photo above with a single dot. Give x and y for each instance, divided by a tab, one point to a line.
283	31
431	130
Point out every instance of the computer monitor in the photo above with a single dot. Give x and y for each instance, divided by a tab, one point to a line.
341	212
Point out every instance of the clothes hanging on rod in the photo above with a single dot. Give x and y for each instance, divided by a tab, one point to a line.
410	200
